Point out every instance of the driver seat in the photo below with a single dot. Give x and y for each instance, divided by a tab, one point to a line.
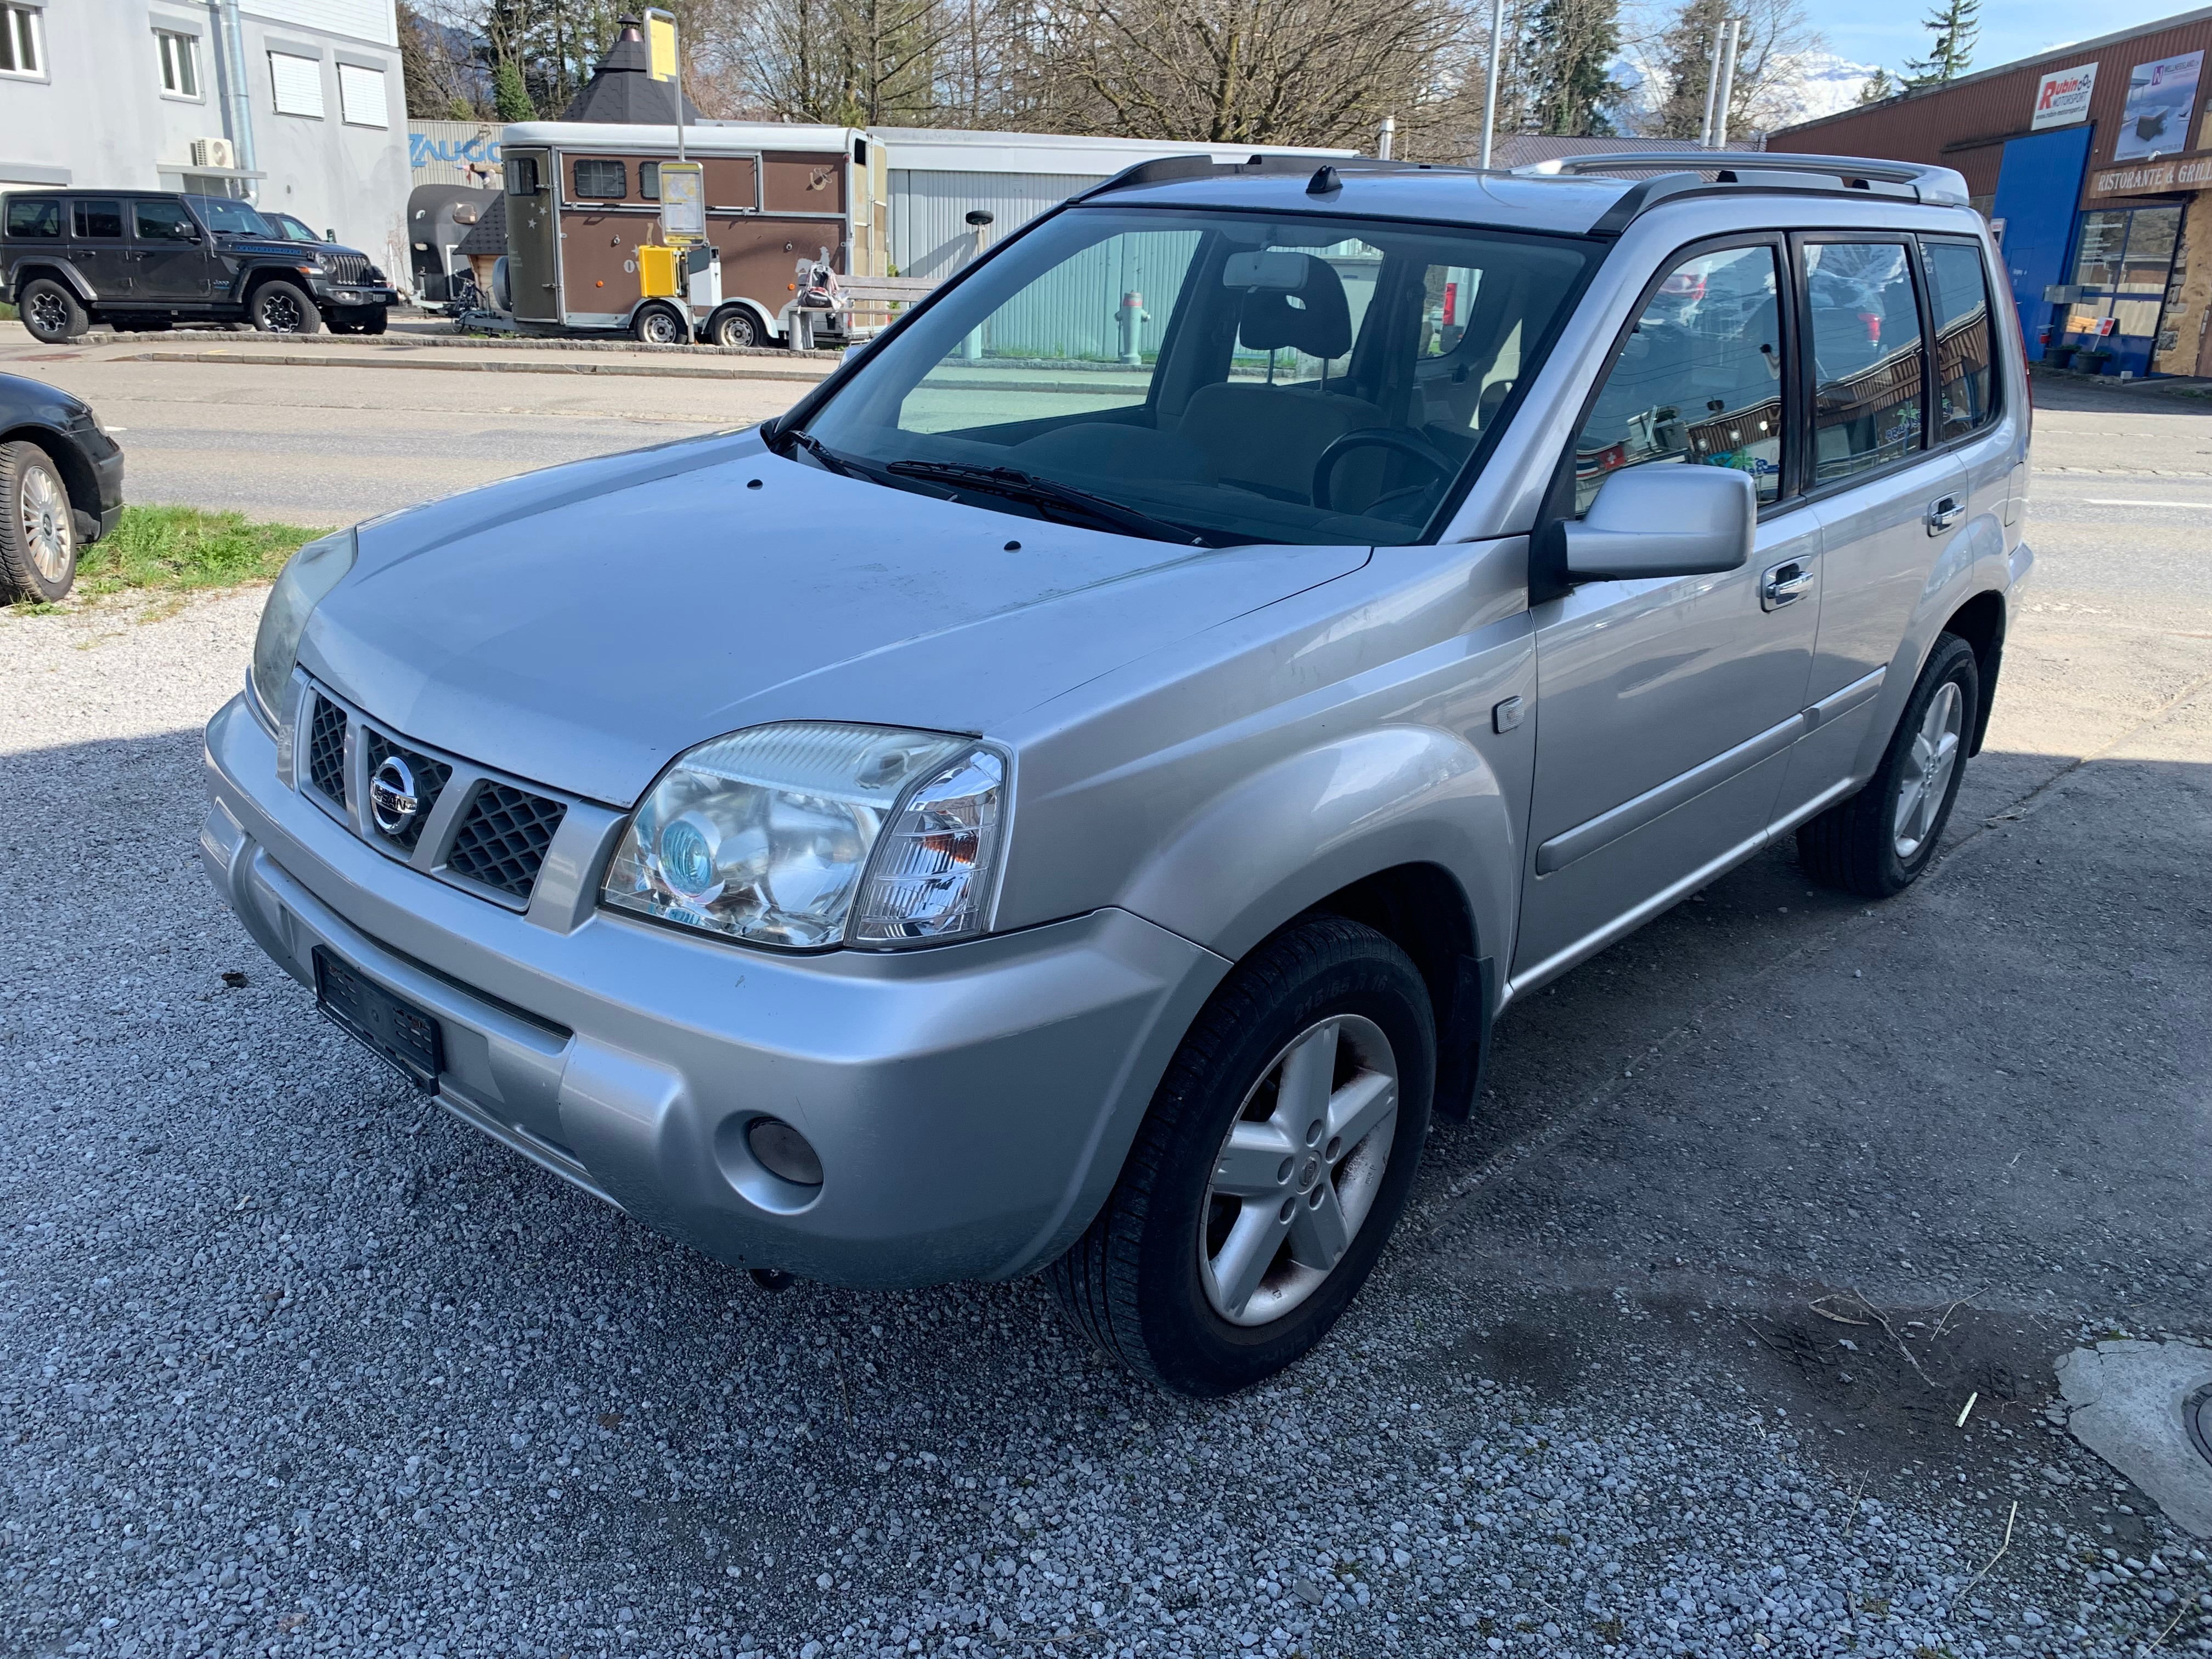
1268	438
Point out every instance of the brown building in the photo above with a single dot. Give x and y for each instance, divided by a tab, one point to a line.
2093	163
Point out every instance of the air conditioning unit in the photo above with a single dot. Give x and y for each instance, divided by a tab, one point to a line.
214	152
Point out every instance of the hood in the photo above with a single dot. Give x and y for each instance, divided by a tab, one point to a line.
276	247
583	625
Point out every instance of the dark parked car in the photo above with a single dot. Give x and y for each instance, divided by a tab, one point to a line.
61	487
141	259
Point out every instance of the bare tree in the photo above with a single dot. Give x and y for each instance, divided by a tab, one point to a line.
1771	50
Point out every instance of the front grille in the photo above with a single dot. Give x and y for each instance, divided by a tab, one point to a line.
430	776
349	269
503	838
326	750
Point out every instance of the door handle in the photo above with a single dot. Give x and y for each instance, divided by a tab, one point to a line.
1942	514
1785	584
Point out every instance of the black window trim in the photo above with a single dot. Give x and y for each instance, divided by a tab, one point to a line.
1998	407
578	198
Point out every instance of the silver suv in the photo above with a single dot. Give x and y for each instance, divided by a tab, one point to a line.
1075	792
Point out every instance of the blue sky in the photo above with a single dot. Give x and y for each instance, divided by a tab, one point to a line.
1888	32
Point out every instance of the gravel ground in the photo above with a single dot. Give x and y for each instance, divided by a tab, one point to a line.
290	1363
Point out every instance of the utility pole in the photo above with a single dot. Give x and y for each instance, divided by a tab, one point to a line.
1383	138
1490	77
1712	85
1728	83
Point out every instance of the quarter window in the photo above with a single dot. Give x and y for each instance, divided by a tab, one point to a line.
522	175
649	180
1698	380
1865	338
180	69
21	48
163	221
100	219
1960	298
601	180
31	216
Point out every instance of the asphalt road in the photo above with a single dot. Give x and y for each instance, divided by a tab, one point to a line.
328	446
291	1362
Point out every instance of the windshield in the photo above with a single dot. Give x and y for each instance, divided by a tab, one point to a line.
293	230
228	216
1239	377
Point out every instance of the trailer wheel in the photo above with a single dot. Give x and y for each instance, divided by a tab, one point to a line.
734	326
661	325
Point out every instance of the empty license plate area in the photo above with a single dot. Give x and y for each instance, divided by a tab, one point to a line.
395	1031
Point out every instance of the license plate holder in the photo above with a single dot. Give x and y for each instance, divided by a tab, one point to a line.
396	1032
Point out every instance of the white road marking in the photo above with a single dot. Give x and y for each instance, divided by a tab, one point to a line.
2100	501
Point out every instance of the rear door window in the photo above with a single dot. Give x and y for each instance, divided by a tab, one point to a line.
1864	340
1959	298
1698	379
100	219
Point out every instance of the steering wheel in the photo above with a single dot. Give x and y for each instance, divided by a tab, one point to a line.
1376	437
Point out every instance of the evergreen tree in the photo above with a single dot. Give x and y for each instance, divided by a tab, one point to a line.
1953	48
1879	88
1685	60
1567	54
510	97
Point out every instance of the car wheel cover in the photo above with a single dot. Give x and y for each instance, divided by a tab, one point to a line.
280	313
43	515
1925	780
736	331
659	328
49	311
1298	1174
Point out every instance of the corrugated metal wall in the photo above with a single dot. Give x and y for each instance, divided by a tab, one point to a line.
930	235
1965	125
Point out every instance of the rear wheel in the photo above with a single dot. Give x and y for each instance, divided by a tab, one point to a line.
1271	1168
38	528
661	325
734	327
285	308
51	313
1878	842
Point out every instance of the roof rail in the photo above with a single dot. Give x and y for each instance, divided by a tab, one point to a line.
1170	167
1936	186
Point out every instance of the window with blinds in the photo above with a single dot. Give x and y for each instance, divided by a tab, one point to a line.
297	83
362	97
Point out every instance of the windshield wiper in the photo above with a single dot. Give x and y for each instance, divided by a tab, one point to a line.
820	451
1017	485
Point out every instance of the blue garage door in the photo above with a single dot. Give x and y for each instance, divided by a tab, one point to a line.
2037	189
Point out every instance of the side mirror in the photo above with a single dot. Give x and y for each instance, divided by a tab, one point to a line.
330	236
1665	520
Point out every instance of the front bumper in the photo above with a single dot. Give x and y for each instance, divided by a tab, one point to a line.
353	295
971	1104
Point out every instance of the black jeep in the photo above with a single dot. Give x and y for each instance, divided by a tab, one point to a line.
141	259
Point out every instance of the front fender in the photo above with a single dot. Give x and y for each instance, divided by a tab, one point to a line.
1312	822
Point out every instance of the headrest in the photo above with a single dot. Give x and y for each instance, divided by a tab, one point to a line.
1291	299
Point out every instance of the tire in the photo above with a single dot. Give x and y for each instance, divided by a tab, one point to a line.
374	323
1153	1282
661	325
285	308
734	327
51	312
38	525
1877	842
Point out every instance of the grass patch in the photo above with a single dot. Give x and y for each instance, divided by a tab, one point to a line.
7	312
179	549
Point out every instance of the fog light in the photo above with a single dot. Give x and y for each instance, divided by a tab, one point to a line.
783	1152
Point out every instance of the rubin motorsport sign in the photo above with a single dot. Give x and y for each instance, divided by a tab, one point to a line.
2063	97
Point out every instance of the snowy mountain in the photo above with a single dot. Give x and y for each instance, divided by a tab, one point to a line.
1803	87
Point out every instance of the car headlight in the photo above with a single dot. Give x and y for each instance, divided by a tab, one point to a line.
810	833
306	579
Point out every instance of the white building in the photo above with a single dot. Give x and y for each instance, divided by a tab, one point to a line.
295	105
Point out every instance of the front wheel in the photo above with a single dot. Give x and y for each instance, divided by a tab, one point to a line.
1271	1168
38	536
1877	842
285	308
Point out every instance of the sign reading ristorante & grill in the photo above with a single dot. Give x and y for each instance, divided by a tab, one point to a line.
2193	172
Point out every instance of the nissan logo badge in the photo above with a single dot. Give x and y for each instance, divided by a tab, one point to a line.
392	799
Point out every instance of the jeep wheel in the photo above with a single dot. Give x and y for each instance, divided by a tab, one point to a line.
1878	842
285	308
51	313
733	327
1271	1168
661	325
38	527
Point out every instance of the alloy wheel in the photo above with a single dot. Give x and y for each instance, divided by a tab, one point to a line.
1929	763
48	312
280	314
1299	1170
43	513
